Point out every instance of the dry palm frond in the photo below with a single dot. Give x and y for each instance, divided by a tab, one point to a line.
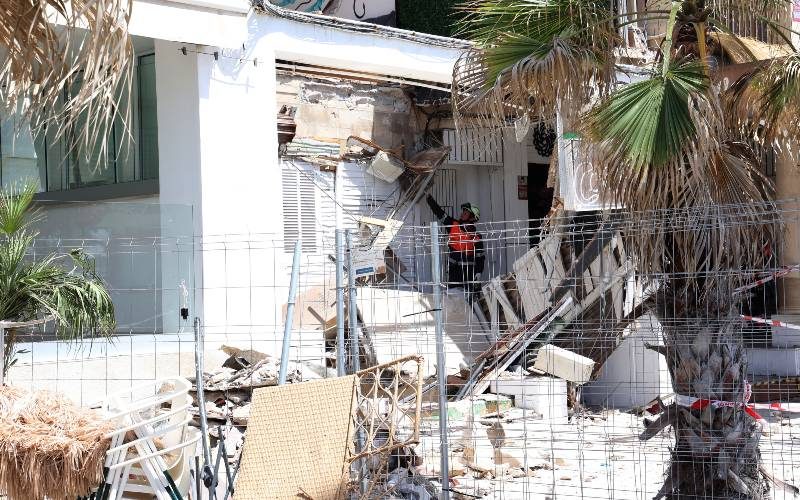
751	18
532	55
49	447
713	177
65	65
767	102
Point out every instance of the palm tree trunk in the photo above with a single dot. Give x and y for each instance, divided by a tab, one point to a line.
716	452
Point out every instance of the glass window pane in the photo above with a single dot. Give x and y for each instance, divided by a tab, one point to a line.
18	158
89	161
124	147
148	121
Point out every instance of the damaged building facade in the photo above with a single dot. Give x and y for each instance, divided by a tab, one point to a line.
262	130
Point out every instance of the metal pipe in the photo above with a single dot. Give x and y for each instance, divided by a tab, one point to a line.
287	329
440	358
340	347
353	307
354	350
199	344
423	188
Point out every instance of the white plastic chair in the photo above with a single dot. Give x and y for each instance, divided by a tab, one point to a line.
152	448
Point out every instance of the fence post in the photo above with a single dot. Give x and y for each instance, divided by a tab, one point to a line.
199	349
354	333
353	308
340	347
441	371
287	328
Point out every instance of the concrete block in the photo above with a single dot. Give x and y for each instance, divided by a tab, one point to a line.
546	396
781	362
786	337
633	375
564	364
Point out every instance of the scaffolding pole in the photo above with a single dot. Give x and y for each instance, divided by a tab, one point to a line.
287	329
440	358
353	308
340	346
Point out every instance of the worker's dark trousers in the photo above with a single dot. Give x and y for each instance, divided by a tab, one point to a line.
463	276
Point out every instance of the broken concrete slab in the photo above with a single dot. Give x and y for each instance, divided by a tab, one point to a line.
315	309
564	364
546	396
633	375
786	337
263	373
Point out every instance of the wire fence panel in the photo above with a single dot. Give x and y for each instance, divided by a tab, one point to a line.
568	370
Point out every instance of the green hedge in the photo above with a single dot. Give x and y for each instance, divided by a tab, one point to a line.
437	17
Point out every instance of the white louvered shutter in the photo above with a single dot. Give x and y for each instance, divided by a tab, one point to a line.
299	208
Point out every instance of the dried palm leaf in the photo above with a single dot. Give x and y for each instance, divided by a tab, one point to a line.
712	176
49	447
67	65
532	55
767	102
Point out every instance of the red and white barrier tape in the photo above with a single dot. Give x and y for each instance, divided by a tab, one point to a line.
777	274
771	322
749	408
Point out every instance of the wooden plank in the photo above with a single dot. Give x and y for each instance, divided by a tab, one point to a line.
494	311
530	277
575	273
518	347
508	309
551	256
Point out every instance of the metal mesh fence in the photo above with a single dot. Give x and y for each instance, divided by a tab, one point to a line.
559	371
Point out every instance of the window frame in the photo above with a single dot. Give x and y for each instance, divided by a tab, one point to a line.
138	186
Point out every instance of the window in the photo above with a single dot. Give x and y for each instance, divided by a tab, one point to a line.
299	207
58	167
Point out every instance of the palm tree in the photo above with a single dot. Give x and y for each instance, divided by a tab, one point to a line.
61	288
674	139
64	63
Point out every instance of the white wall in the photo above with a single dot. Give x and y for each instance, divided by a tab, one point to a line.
178	157
218	152
313	44
211	22
633	375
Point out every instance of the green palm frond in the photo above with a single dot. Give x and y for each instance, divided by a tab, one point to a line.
533	53
649	123
16	212
31	288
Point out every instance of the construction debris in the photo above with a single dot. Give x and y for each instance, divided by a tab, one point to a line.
546	396
564	364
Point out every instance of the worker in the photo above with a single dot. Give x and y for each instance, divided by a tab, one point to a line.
466	254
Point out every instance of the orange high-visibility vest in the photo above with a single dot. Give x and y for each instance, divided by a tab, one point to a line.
463	241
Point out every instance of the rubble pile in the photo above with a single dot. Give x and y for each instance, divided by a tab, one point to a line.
228	388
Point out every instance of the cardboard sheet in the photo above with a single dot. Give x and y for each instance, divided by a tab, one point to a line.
298	440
